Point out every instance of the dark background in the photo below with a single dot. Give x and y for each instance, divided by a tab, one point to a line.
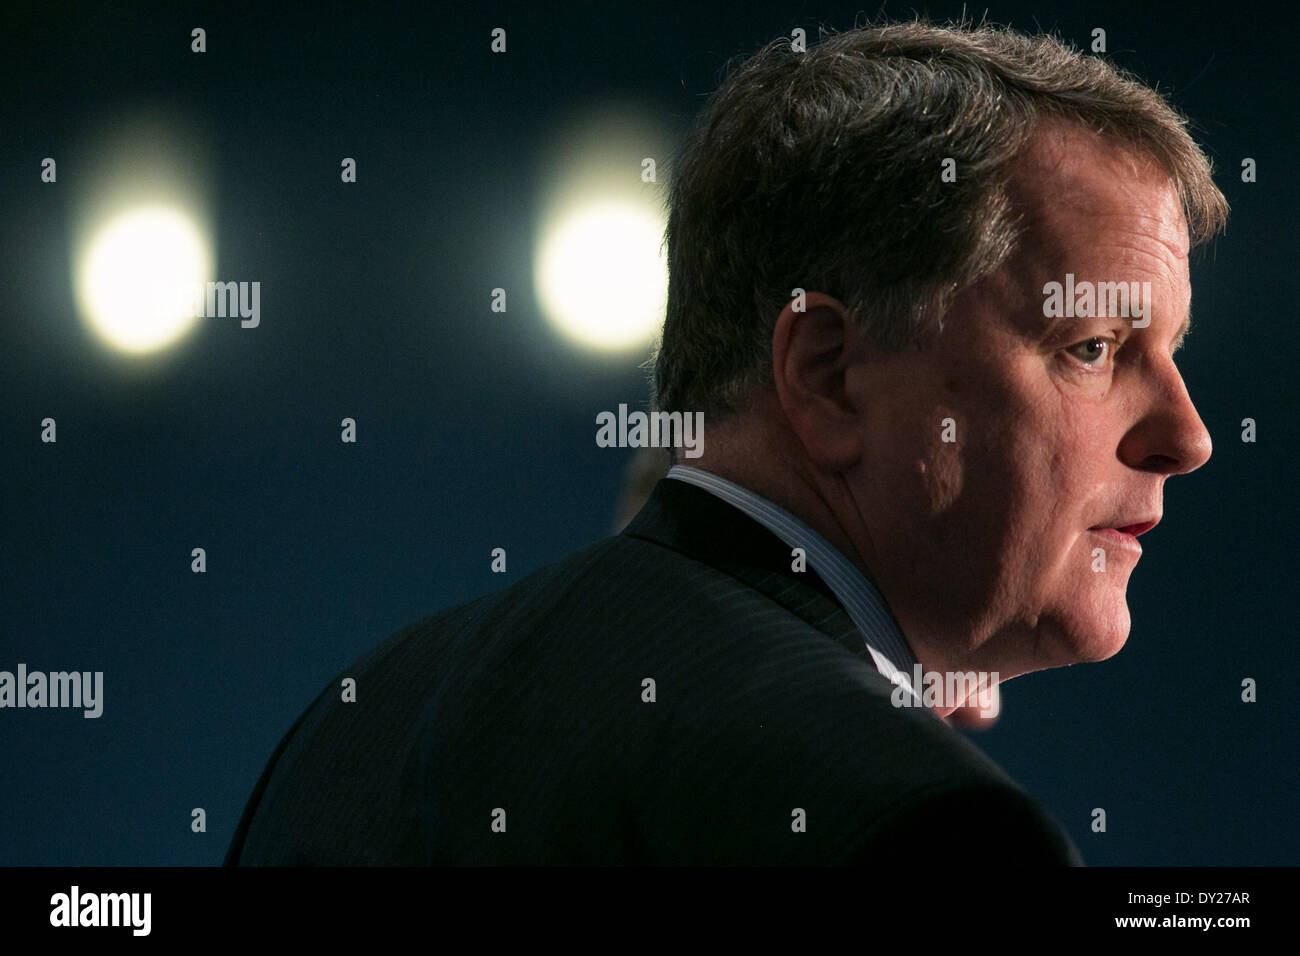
477	428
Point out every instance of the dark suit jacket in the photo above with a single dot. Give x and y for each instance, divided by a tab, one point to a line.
530	707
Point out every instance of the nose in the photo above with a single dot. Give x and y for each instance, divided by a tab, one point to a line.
1170	439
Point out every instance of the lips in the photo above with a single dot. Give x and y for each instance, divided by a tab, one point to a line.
1125	531
1118	538
1133	526
1136	529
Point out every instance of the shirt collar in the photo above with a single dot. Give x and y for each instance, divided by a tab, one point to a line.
855	592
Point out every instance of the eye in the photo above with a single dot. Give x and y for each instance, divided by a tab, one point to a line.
1093	352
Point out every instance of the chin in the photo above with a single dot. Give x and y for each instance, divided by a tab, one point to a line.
1087	617
1098	636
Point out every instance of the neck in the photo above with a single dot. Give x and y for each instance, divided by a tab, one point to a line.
756	450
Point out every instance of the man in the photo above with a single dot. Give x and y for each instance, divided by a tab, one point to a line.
929	451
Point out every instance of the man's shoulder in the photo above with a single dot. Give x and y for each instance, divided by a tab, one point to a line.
622	582
813	758
628	703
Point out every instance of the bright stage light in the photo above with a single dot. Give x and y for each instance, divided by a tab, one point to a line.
600	276
132	275
599	273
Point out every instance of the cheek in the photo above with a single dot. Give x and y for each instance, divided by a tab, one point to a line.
1058	509
1025	507
941	477
1054	461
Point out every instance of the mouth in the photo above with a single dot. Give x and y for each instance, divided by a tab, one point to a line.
1142	527
1125	536
1118	534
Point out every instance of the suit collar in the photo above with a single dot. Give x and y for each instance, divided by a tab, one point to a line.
703	527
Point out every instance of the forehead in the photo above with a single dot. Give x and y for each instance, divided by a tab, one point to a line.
1072	186
1093	207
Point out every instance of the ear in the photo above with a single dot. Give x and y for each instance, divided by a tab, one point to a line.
812	350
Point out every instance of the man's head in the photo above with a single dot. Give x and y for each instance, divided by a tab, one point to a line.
920	407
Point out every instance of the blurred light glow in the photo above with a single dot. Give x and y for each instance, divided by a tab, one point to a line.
600	276
599	272
132	275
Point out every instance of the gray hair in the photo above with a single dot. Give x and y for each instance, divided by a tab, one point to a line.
821	170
